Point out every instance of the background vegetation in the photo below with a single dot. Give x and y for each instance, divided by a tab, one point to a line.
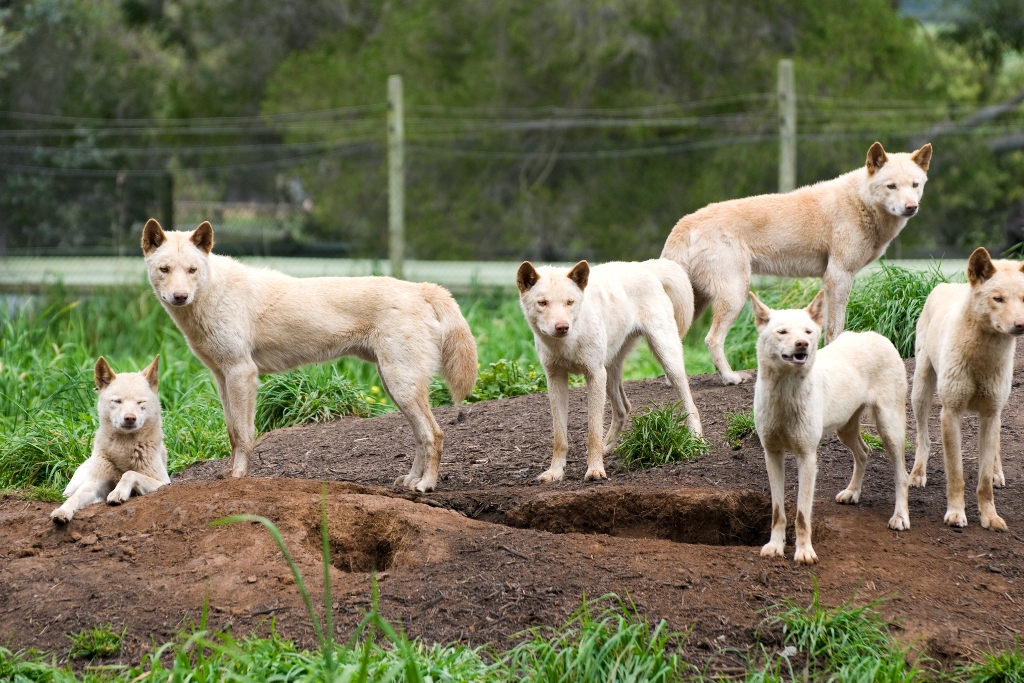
551	129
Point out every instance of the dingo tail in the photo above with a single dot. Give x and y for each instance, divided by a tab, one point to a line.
458	348
677	285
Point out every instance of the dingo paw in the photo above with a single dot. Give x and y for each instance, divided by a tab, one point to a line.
550	476
999	480
406	481
61	516
918	479
773	550
731	378
805	555
118	496
993	523
609	449
955	518
595	474
424	486
899	521
848	497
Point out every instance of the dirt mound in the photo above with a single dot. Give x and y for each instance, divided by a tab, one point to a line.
493	552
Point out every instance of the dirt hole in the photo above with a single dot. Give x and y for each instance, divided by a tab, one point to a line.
684	516
364	541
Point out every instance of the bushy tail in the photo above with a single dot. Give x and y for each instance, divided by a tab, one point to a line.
458	348
677	285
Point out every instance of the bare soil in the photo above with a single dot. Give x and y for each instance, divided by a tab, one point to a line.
493	552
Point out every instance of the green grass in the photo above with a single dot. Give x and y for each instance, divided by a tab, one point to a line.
98	641
996	667
739	425
659	436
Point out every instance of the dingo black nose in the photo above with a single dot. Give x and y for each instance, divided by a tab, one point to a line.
180	297
561	328
1018	327
801	344
129	419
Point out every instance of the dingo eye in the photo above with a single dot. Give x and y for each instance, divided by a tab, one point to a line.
164	269
998	299
916	183
807	331
782	331
117	400
542	302
891	186
191	270
570	302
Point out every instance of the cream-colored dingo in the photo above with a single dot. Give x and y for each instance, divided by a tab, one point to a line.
587	320
241	321
966	338
829	230
128	453
803	394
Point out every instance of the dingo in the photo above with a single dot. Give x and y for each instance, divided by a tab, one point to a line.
829	230
803	393
128	453
966	338
587	321
241	321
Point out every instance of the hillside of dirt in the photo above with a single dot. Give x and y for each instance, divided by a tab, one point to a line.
493	552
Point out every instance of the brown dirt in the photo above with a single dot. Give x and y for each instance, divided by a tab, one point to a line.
493	552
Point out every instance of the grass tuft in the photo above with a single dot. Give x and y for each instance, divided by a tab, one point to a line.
739	425
505	379
312	394
995	667
98	641
659	436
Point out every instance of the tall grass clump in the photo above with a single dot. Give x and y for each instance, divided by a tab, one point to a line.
996	667
741	343
889	301
98	641
739	425
659	436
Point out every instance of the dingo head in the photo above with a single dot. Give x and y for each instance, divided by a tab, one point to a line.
896	181
129	400
177	261
551	297
789	337
997	291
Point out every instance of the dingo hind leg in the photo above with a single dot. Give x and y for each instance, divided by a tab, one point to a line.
891	423
617	397
409	390
668	351
729	298
850	435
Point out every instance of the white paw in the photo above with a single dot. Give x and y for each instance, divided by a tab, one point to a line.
406	481
550	476
998	480
993	523
848	497
773	550
118	496
918	480
594	474
424	485
805	555
731	378
61	516
955	518
609	449
900	521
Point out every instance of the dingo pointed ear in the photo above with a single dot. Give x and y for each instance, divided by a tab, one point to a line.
761	312
580	274
202	237
923	156
526	277
103	374
152	236
816	309
980	267
876	158
152	372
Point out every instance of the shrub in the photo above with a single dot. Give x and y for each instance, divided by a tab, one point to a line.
507	378
659	436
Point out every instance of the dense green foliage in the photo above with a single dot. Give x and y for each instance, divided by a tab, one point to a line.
96	642
659	436
552	128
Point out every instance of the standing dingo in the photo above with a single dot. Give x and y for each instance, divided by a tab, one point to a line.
241	321
966	338
803	393
587	321
829	230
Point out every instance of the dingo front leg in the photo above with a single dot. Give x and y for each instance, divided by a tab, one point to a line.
133	481
956	514
807	467
596	387
558	395
849	434
776	463
988	452
837	284
921	398
89	493
241	382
